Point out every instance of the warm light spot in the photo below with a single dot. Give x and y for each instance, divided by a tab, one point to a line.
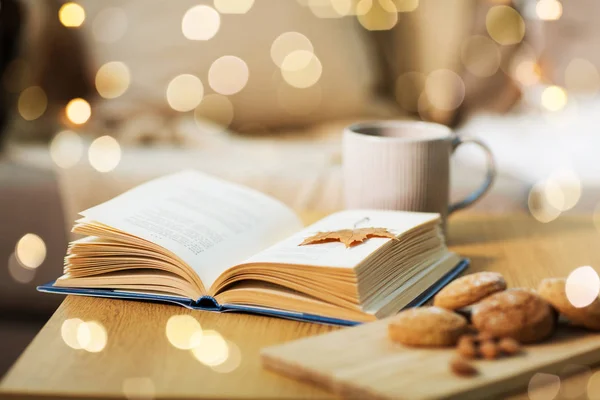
539	207
104	154
66	149
184	332
593	387
69	330
505	25
112	79
30	251
583	286
543	386
582	76
78	111
71	15
554	98
301	69
548	10
212	349
32	103
409	87
377	15
527	73
216	109
327	8
297	101
185	92
481	56
91	336
575	388
445	89
228	75
140	388
110	25
233	361
233	6
563	189
287	43
200	23
406	5
18	272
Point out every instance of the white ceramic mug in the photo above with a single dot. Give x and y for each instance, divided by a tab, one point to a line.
405	165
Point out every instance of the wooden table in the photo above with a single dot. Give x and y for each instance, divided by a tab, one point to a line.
138	355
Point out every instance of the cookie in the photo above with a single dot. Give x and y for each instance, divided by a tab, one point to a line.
553	291
427	327
469	289
516	313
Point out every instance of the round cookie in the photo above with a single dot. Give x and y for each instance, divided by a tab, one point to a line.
469	290
553	291
427	327
516	313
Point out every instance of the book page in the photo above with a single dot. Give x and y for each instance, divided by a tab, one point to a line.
335	254
209	223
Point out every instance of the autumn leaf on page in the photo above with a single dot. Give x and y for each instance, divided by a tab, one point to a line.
350	237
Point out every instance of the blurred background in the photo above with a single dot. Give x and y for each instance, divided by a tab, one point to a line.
99	96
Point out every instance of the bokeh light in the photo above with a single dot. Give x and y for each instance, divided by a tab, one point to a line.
527	73
18	272
212	350
377	15
78	111
228	75
538	204
104	154
543	386
184	332
215	108
582	76
409	87
593	387
233	7
233	361
583	286
110	25
301	69
554	98
329	8
287	43
406	5
563	189
185	92
505	25
139	388
68	331
71	15
112	79
30	251
445	89
91	336
32	103
200	23
66	149
575	388
297	101
548	10
481	56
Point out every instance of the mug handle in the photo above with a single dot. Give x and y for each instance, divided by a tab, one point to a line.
489	177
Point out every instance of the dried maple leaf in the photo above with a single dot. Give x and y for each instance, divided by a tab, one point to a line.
350	237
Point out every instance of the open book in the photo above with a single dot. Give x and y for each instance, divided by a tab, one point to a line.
204	243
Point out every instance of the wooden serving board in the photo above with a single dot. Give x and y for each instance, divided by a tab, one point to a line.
361	362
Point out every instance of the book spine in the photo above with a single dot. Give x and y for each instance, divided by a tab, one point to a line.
207	303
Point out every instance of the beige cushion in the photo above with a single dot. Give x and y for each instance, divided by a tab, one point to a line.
155	50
